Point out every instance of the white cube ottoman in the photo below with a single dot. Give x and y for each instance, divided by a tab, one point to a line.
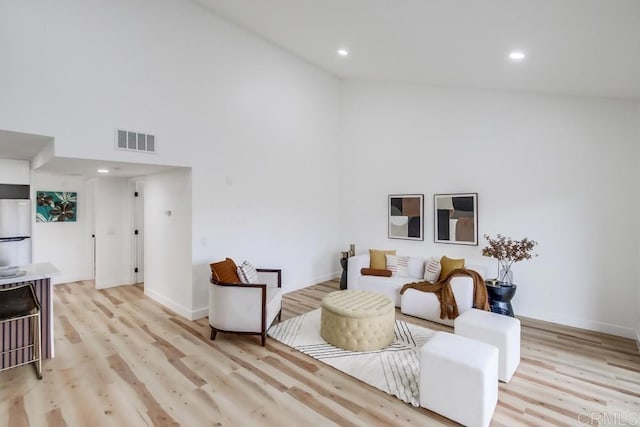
459	378
495	329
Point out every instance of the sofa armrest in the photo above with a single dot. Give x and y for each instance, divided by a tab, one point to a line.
462	288
355	264
481	269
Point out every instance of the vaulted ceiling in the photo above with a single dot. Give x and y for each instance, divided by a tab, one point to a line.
583	47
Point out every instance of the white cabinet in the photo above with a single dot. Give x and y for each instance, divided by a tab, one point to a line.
15	172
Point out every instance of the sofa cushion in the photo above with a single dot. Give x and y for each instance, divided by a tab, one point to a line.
399	265
225	271
426	305
432	270
416	267
449	264
377	259
389	286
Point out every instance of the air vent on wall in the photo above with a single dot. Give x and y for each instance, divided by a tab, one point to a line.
128	140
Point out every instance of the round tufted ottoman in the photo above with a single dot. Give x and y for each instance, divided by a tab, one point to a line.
357	320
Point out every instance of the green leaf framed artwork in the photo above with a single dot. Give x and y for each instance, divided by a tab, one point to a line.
56	206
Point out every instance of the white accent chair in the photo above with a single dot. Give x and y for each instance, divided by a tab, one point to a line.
246	308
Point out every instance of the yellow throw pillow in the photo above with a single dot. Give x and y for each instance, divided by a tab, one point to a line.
378	261
449	264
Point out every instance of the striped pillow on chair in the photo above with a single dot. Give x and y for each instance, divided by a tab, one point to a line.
247	273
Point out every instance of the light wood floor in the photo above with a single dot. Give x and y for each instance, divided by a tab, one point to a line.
124	360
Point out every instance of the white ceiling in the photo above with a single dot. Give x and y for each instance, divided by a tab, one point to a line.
24	146
89	168
584	47
21	146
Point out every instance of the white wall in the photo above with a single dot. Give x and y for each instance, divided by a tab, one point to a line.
220	101
267	190
638	233
168	237
560	170
67	245
113	232
14	171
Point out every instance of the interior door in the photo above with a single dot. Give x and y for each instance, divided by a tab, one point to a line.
138	233
91	223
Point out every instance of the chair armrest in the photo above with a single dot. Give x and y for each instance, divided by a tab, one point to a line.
354	265
270	276
241	285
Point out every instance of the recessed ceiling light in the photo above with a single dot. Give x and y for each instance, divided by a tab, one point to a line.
343	52
516	55
103	170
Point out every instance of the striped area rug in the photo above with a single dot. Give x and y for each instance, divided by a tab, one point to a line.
393	369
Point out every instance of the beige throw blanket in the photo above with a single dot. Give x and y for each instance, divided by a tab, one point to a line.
442	289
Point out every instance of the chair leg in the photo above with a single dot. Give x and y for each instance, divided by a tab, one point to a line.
213	333
280	315
38	346
35	333
264	338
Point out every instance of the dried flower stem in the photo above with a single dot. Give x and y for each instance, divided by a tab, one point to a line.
507	251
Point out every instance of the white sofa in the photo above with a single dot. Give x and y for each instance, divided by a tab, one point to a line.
424	305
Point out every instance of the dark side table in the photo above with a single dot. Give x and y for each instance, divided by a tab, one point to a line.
344	262
500	296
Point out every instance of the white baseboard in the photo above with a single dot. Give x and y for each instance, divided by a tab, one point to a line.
104	284
204	311
592	325
325	277
314	281
57	280
172	305
199	313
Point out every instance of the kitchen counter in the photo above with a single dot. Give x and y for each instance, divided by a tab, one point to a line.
37	271
14	333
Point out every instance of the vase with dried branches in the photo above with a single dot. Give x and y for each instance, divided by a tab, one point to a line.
508	251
